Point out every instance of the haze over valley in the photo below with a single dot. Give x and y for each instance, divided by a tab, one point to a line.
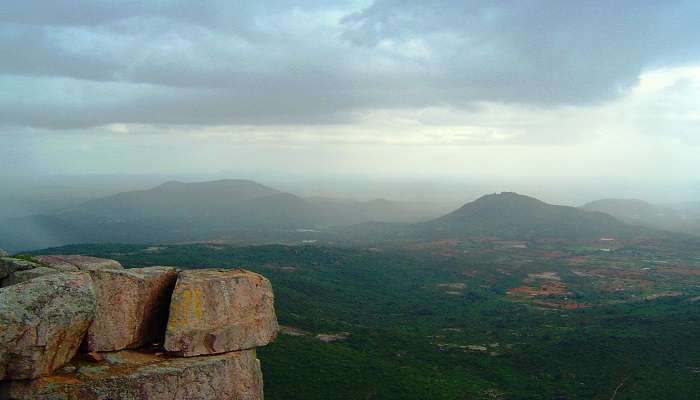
246	212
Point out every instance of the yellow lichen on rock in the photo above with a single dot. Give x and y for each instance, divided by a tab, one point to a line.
219	310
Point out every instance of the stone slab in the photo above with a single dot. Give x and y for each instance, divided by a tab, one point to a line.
130	375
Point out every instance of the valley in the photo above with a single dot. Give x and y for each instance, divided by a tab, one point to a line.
477	318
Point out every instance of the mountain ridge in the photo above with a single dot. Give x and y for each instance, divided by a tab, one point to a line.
245	210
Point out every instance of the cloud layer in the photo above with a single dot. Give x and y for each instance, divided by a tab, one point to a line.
364	88
75	65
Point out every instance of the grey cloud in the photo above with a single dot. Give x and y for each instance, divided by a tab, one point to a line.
96	12
68	64
74	104
537	51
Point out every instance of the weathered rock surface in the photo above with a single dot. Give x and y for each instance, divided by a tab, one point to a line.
42	322
128	375
56	264
132	307
84	263
28	274
219	310
3	253
8	265
16	270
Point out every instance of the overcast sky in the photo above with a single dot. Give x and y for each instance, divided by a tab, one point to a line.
387	87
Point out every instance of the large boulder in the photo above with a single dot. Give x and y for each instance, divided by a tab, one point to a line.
219	310
128	375
84	263
132	307
42	322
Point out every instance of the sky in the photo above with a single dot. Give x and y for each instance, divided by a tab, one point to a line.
400	89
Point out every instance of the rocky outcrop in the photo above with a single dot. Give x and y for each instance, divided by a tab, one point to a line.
42	322
28	274
3	253
84	263
9	265
132	307
17	270
214	317
217	310
131	375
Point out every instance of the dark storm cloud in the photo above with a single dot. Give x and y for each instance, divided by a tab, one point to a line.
76	64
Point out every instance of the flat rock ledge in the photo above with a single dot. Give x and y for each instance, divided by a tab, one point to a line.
129	375
220	310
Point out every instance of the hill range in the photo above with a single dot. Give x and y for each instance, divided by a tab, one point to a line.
243	210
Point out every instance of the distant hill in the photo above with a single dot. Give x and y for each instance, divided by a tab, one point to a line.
175	198
642	213
173	211
513	216
177	211
248	212
224	204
